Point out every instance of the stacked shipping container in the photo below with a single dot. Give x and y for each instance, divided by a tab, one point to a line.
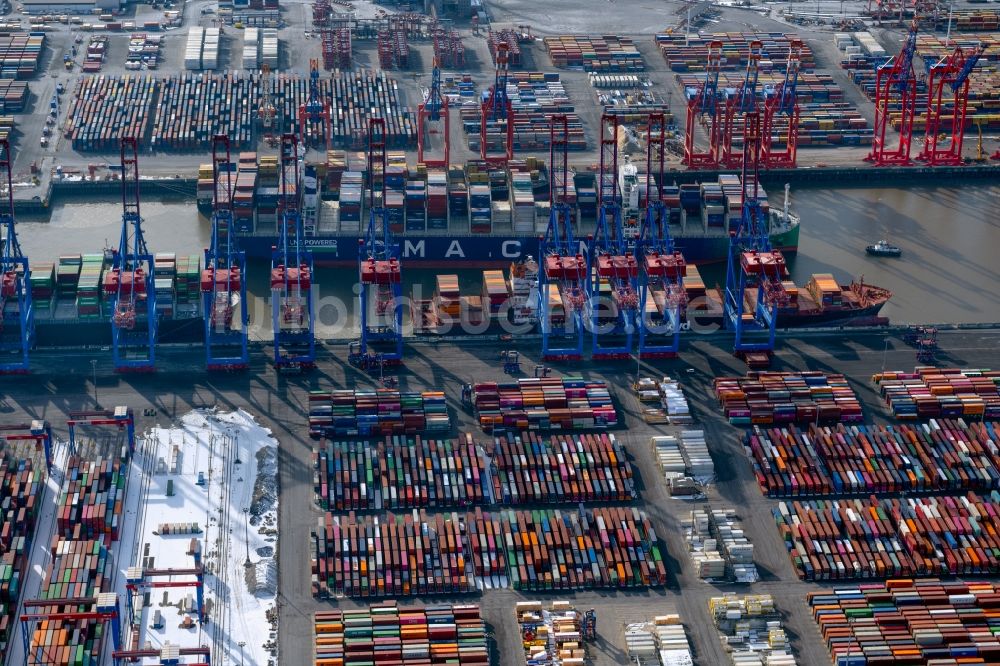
608	53
568	403
762	398
941	392
382	411
21	487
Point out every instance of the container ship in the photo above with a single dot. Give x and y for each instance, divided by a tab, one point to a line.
513	298
469	216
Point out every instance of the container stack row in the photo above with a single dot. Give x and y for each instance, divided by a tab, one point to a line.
608	53
513	41
718	547
984	96
534	97
976	20
928	393
143	51
888	538
13	96
943	455
448	48
251	48
384	634
399	473
336	49
104	109
379	412
91	499
452	553
751	630
21	486
78	569
567	403
907	621
97	51
269	49
763	398
663	639
19	54
195	107
689	53
532	469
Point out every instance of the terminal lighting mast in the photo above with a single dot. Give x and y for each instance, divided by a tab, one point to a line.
134	319
895	95
704	103
223	281
17	315
291	272
662	268
564	276
754	289
381	297
949	77
614	294
782	103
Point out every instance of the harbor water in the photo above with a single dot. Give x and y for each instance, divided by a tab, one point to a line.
948	272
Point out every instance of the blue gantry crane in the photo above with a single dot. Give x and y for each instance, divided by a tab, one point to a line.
432	110
661	266
755	272
223	280
314	114
564	278
497	111
291	272
614	271
17	315
380	299
134	321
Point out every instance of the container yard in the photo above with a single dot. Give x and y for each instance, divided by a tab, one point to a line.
468	507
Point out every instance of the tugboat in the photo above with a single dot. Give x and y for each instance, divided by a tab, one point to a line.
883	249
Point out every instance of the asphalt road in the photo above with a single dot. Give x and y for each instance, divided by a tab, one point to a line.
62	384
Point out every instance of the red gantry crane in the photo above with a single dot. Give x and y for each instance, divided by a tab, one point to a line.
895	95
948	75
780	122
739	102
703	105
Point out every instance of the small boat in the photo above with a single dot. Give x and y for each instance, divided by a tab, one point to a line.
883	249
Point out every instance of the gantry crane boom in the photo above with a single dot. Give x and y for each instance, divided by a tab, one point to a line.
497	111
703	104
564	276
379	271
134	320
614	272
738	103
433	110
755	272
17	314
661	267
291	272
315	115
223	280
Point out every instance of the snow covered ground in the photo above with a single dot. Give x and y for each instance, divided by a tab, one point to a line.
223	471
